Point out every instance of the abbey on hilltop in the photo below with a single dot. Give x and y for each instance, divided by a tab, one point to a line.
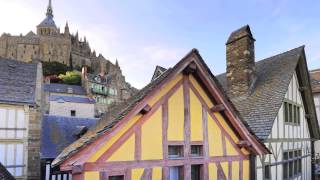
49	44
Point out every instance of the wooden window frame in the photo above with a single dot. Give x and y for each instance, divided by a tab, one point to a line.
291	113
198	144
176	144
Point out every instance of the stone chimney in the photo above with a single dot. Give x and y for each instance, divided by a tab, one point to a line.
241	73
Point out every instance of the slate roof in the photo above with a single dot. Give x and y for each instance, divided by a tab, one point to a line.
58	132
72	99
17	81
48	22
261	107
5	174
63	88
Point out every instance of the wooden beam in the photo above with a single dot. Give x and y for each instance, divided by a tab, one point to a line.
244	144
191	68
302	88
77	169
217	108
145	109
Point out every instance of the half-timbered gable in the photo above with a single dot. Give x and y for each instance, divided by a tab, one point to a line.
180	126
274	98
289	139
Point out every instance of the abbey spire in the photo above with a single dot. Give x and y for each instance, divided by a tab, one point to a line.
49	9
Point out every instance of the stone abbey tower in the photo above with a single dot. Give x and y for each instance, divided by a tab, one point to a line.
50	45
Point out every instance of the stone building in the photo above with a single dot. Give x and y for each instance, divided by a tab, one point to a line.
20	117
68	100
49	44
108	88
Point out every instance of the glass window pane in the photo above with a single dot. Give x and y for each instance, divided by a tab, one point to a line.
19	171
290	113
196	172
174	173
11	123
19	154
175	151
3	118
11	170
116	177
2	151
20	119
10	154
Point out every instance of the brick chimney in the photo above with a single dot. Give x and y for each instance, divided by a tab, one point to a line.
241	73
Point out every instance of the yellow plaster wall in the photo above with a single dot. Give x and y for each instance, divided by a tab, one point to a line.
214	138
225	168
212	168
157	173
151	137
136	173
92	175
235	170
201	91
196	132
175	130
231	151
113	139
125	151
246	169
225	126
165	89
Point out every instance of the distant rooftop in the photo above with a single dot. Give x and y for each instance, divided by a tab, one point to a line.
17	81
64	88
58	132
72	99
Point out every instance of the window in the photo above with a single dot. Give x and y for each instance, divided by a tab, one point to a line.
291	113
12	124
176	173
267	172
116	177
175	151
73	112
12	157
196	173
196	150
292	164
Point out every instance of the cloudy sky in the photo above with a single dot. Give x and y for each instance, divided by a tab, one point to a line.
144	33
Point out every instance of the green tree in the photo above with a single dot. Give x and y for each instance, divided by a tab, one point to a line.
54	68
71	77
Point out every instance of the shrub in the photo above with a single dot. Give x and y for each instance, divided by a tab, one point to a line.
54	68
71	77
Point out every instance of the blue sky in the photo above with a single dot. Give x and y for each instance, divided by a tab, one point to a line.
144	33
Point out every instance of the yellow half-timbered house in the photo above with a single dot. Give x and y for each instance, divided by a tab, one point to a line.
180	126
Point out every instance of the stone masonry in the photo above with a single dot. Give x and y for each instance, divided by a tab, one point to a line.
240	62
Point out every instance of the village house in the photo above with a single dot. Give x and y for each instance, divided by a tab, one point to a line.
180	125
20	117
274	97
68	100
58	132
107	88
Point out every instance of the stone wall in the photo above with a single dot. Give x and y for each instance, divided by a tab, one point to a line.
33	167
83	110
